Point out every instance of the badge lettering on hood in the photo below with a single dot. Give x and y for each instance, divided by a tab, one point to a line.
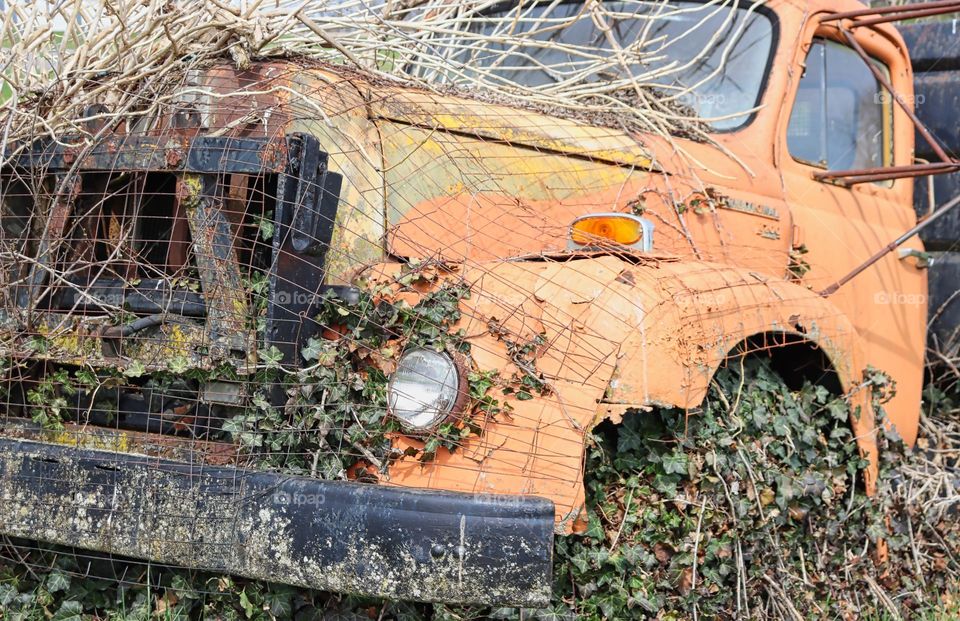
743	206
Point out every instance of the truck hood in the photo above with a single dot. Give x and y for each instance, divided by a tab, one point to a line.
429	174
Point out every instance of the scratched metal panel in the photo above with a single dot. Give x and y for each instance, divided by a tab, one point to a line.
934	46
943	234
935	55
937	97
945	302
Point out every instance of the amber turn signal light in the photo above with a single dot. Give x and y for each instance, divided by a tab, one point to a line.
623	229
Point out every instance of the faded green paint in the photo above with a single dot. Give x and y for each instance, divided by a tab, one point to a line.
352	145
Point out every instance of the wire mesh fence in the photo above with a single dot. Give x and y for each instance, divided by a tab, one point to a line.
344	241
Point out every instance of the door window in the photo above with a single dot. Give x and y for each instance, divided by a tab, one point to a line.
842	118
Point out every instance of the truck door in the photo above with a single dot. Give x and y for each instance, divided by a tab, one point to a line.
839	117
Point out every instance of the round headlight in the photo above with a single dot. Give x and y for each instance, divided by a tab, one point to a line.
423	389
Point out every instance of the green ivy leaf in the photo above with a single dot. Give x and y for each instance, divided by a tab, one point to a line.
57	581
675	463
135	369
267	229
178	365
69	610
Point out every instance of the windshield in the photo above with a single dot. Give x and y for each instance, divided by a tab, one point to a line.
710	57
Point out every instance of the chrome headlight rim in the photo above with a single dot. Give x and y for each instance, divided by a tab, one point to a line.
462	389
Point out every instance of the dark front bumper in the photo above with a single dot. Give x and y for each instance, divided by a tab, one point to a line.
364	539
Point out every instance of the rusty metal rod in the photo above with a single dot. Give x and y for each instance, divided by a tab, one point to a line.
921	128
917	169
857	180
886	19
936	215
890	9
855	177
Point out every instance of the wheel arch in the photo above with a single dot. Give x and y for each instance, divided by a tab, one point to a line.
795	358
807	337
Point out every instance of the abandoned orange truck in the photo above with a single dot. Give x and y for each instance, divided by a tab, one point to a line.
314	327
